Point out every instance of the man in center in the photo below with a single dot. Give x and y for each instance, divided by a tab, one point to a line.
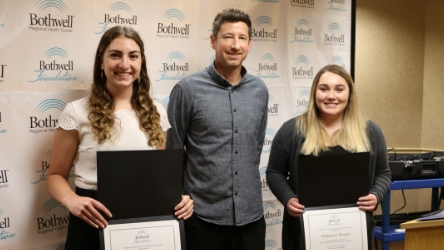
219	116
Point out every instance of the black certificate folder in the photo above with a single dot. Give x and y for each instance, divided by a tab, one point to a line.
334	179
141	183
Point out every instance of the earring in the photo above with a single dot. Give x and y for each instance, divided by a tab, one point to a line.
138	79
101	74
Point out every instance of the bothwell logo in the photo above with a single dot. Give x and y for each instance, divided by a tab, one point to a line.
44	168
273	108
268	140
332	39
120	6
173	71
262	172
55	71
269	204
264	33
334	221
44	165
57	4
165	102
268	68
303	3
116	18
4	182
141	236
48	124
210	32
337	60
302	33
5	223
173	30
53	222
337	5
2	72
302	102
48	23
2	130
51	104
272	213
302	69
271	243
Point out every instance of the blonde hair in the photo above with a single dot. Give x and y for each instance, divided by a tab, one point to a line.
352	136
101	106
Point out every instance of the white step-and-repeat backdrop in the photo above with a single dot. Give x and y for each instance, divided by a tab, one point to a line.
47	50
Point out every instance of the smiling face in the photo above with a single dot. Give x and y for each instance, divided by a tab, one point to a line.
232	45
121	63
332	95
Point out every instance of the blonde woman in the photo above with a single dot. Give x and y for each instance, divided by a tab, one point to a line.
331	125
119	114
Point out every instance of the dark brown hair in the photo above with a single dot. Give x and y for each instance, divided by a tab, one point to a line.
101	106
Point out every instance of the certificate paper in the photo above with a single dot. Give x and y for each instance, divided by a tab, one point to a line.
337	228
145	233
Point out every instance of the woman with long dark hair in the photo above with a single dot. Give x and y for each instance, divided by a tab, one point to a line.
119	114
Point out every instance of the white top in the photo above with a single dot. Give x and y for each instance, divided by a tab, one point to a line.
125	136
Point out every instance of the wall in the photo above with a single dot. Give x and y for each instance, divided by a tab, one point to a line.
399	72
389	67
433	101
